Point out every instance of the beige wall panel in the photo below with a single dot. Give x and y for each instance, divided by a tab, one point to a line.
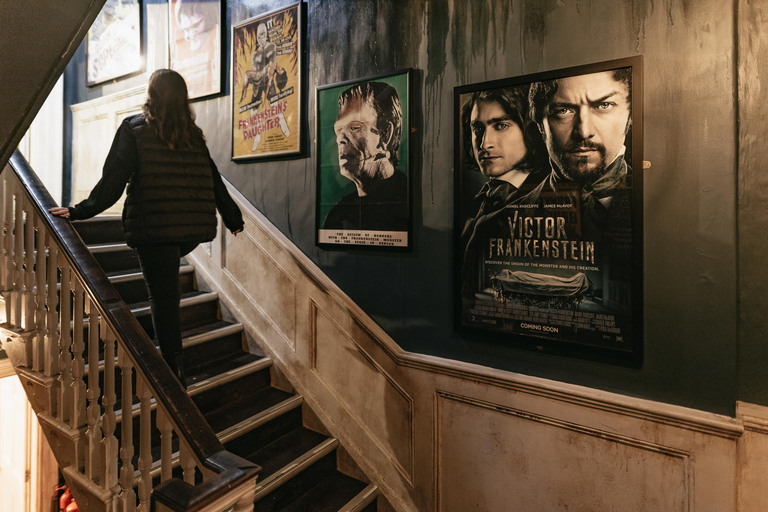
368	393
264	282
508	459
95	123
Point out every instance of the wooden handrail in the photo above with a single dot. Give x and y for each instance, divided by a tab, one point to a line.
188	421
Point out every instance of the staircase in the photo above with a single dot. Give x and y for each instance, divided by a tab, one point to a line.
254	414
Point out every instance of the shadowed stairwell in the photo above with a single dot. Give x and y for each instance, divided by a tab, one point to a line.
234	390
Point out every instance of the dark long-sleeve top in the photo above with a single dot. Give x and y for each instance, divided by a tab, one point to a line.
122	162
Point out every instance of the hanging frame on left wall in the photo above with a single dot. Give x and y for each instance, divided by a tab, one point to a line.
113	44
195	42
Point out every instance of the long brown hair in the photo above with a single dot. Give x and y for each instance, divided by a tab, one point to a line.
167	110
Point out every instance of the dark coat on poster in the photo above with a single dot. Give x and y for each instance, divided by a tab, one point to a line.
384	208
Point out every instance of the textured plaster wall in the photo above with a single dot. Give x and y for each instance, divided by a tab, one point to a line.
690	191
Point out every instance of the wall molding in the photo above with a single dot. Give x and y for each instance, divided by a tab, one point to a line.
704	445
684	417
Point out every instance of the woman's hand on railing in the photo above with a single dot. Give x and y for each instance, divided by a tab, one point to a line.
59	211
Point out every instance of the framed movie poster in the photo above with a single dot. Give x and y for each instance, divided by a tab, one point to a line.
113	43
363	169
548	210
194	34
267	64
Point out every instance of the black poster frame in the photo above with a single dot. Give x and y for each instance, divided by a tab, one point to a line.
513	316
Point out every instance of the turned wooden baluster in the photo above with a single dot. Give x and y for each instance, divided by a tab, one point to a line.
187	462
94	466
78	364
40	296
144	393
127	495
4	227
29	267
18	258
109	421
8	244
52	340
65	341
166	445
28	280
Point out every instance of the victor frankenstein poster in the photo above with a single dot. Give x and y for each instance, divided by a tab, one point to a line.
549	210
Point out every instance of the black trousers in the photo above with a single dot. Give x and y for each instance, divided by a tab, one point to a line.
160	265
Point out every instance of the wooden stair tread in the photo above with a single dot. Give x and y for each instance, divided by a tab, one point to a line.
284	450
230	412
219	324
329	494
232	387
140	307
219	366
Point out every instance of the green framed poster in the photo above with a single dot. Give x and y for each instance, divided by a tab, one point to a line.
363	170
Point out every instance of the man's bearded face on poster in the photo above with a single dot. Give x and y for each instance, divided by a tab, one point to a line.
585	124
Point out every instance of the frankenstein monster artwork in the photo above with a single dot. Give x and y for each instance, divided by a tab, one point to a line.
548	210
266	95
363	185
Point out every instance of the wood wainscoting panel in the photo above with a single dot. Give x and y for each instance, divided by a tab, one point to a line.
508	459
94	124
264	282
364	389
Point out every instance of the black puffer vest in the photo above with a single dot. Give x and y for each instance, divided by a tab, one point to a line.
170	199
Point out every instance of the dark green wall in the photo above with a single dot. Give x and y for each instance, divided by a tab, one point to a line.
691	328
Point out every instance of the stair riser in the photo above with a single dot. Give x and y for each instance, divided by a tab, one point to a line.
281	497
238	391
213	351
114	261
191	316
135	290
265	434
94	232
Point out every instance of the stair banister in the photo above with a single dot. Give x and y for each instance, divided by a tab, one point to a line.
48	352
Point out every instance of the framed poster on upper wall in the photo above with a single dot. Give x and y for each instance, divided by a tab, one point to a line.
267	67
113	43
548	210
194	34
363	163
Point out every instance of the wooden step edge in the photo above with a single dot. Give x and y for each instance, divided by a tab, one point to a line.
107	217
205	385
362	500
187	342
112	247
231	375
136	276
132	276
199	339
259	419
185	302
280	477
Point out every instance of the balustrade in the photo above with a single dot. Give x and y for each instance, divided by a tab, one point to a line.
61	309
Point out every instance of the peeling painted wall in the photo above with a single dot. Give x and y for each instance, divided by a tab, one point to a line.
690	191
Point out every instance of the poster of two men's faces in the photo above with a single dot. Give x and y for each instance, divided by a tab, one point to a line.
548	210
363	154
